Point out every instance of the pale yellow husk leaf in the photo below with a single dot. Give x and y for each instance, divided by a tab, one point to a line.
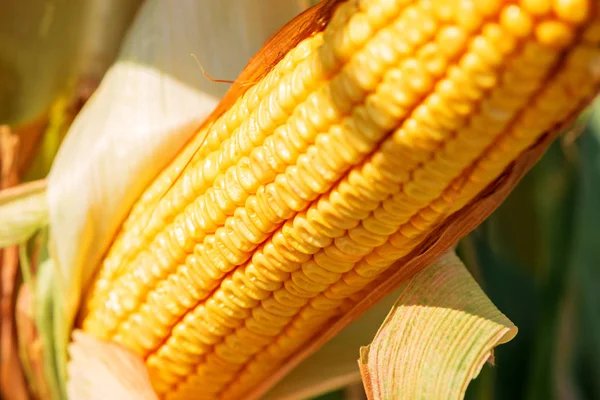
92	371
437	337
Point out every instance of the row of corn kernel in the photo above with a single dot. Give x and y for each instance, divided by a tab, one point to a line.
560	97
388	156
408	72
238	227
148	259
549	59
391	156
224	134
551	102
524	81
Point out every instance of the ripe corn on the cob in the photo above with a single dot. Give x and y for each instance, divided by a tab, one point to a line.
340	161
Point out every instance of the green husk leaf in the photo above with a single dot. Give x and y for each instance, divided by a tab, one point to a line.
23	211
45	286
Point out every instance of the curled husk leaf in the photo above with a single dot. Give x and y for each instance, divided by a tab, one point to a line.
437	337
23	211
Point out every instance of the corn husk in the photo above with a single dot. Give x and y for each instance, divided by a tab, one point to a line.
437	337
44	305
92	371
23	211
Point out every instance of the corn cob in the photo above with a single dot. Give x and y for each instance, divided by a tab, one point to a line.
360	142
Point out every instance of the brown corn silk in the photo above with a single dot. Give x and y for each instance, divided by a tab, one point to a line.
410	121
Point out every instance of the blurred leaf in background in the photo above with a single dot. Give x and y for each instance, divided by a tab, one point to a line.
46	46
52	55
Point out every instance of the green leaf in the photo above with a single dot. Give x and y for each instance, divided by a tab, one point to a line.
44	315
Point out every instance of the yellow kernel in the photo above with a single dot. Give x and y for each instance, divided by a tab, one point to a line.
487	51
467	16
488	7
516	21
574	11
451	40
433	60
592	33
444	10
554	34
500	39
359	29
421	81
537	7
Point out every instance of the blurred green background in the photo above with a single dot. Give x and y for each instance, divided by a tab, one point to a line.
538	257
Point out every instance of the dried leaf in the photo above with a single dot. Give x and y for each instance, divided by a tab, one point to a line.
30	135
435	340
9	155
